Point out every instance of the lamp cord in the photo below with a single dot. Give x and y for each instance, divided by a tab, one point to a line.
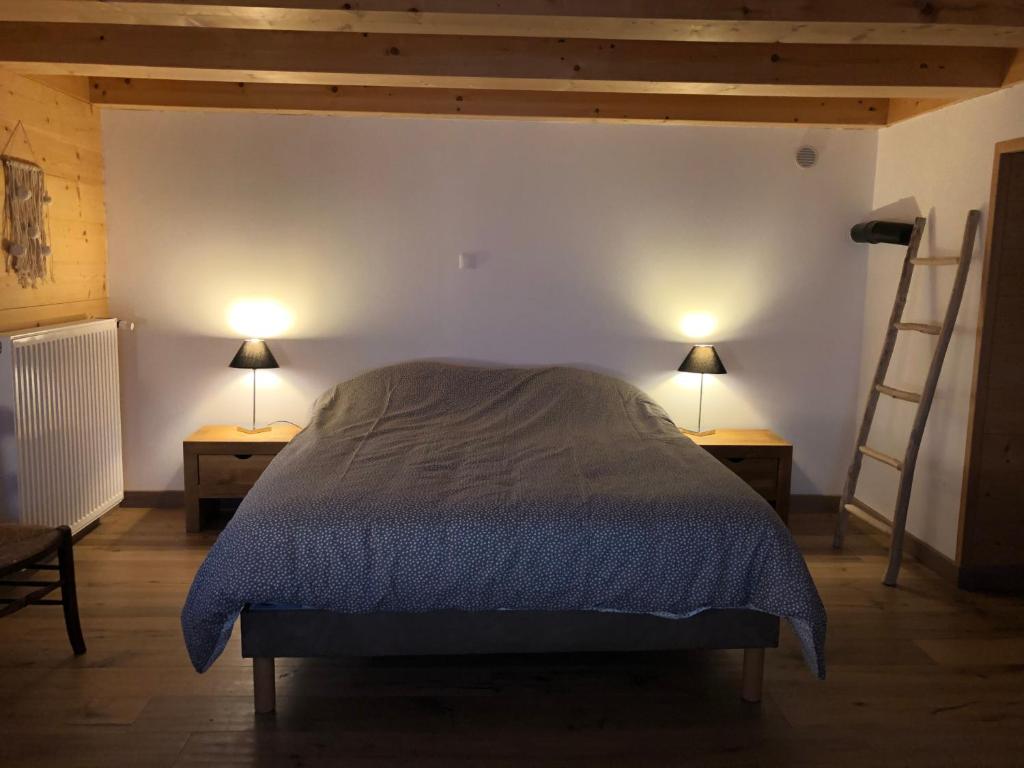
278	421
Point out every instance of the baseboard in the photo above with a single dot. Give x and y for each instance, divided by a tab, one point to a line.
942	566
813	504
994	578
800	504
154	499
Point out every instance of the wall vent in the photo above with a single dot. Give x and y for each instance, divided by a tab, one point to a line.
806	157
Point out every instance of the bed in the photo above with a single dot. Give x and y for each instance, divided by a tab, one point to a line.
431	508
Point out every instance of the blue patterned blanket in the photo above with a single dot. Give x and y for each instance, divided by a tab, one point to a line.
428	486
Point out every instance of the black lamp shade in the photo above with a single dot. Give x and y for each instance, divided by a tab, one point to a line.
702	359
254	353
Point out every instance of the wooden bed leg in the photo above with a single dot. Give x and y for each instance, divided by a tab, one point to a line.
263	682
753	674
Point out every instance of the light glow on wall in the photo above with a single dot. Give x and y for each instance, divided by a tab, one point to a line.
698	325
259	318
268	379
686	380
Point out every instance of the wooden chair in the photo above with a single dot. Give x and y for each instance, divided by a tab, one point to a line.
28	548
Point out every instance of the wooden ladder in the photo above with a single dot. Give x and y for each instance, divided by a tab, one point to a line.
850	504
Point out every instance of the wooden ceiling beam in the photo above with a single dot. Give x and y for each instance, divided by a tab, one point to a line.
600	107
1015	72
996	23
77	87
501	63
904	109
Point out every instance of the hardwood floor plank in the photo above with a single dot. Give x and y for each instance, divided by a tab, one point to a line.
919	675
975	651
40	713
92	747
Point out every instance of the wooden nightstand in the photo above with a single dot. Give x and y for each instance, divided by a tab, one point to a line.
759	456
223	463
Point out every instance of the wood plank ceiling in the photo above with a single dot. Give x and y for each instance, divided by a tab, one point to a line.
821	62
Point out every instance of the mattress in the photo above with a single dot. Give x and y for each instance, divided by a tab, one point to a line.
436	487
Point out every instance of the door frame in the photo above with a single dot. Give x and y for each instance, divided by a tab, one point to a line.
969	576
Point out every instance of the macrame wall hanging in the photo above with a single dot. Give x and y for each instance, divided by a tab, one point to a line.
26	222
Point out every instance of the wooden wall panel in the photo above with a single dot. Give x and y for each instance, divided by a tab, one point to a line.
64	134
991	548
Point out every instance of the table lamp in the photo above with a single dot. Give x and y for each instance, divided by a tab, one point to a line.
701	359
254	354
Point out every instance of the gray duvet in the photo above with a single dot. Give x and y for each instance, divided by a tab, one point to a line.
428	486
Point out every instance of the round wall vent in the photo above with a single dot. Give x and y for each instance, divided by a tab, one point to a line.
806	157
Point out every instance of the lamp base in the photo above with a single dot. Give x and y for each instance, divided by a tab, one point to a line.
694	433
255	431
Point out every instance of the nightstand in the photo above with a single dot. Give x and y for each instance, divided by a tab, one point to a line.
223	463
760	457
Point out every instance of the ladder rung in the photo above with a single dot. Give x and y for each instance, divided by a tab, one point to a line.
931	328
943	261
863	512
899	394
885	458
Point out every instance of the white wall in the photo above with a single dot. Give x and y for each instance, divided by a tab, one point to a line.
592	243
940	166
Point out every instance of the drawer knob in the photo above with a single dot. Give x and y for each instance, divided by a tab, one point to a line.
243	456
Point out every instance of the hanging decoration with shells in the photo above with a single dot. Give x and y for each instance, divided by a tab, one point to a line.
26	225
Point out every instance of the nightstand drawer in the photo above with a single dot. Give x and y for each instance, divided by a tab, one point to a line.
221	462
762	459
231	470
760	474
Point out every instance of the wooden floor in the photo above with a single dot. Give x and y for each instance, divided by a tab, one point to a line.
919	675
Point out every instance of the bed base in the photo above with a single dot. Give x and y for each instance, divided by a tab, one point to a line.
280	633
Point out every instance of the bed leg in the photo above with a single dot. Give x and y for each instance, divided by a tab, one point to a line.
753	674
263	684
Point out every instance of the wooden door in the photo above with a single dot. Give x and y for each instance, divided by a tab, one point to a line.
991	543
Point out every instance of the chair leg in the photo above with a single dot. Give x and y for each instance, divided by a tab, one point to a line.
753	674
68	591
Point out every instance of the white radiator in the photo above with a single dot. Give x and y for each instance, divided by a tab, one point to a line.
60	424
